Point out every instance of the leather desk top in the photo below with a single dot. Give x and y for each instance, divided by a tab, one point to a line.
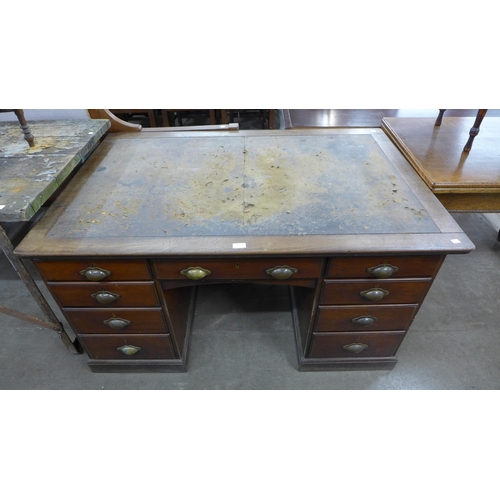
247	192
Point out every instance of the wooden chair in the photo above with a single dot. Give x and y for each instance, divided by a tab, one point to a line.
119	125
473	131
128	114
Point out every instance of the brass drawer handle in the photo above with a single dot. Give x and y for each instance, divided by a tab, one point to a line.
104	297
129	350
117	323
355	348
383	270
282	272
366	320
95	273
374	294
195	273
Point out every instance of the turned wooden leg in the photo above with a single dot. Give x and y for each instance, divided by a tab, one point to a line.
25	127
271	118
151	118
439	119
475	129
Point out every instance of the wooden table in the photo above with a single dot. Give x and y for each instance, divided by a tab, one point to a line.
320	118
463	182
338	216
29	178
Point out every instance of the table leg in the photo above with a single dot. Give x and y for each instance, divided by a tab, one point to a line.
475	129
52	322
25	127
271	118
439	119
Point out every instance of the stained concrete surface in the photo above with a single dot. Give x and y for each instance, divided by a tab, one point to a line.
242	336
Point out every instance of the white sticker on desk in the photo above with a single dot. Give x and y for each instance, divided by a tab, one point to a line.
239	245
455	241
2	206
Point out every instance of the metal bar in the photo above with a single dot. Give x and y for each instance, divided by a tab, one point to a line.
23	273
31	319
194	128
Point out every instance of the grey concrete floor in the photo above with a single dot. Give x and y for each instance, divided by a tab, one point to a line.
242	337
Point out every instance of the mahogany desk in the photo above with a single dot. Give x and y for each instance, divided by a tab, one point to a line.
338	216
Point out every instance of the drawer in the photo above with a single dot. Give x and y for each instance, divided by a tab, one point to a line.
115	320
227	269
344	292
94	270
356	318
119	294
353	345
128	346
416	266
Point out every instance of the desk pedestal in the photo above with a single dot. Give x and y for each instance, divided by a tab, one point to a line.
349	312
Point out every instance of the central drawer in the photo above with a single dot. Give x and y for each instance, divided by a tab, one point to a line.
227	269
115	320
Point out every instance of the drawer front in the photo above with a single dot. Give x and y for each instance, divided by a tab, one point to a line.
127	346
419	266
344	292
353	345
355	318
117	294
94	270
129	320
227	269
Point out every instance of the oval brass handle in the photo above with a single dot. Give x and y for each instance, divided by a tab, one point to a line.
355	348
104	297
366	320
195	273
129	350
383	270
117	323
282	272
374	294
95	273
